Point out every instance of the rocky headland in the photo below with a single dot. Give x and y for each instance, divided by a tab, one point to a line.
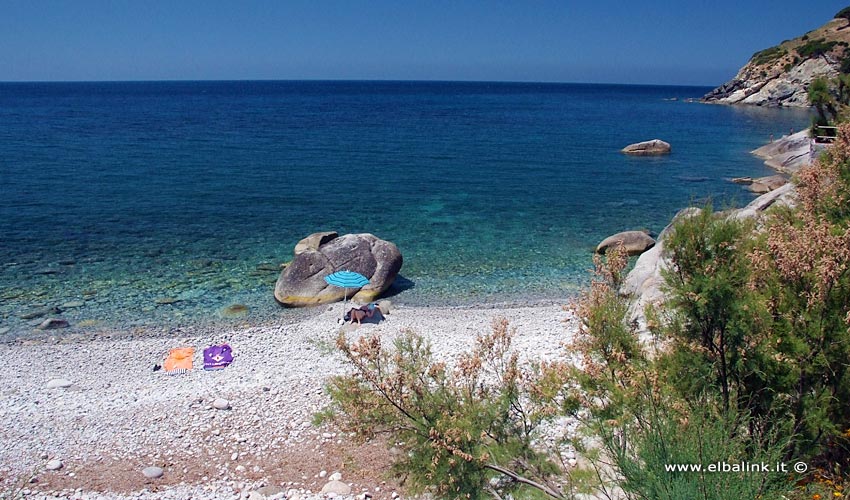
780	75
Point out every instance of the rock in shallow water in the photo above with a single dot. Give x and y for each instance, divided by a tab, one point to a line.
53	324
635	242
152	472
767	184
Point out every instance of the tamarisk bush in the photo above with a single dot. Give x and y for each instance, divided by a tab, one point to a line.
459	427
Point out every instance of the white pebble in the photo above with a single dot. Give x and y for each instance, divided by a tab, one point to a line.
54	465
152	472
58	383
221	404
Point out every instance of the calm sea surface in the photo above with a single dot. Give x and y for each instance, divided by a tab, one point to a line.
116	197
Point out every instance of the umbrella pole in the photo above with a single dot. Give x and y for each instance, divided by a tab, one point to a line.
344	300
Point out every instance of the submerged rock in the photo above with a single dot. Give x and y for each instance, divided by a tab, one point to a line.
235	311
635	242
302	283
163	301
40	312
648	148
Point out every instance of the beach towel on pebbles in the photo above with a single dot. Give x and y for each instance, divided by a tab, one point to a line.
217	357
179	360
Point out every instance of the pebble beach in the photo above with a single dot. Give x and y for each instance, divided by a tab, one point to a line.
90	418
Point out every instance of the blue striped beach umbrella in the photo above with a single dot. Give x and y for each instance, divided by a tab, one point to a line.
346	280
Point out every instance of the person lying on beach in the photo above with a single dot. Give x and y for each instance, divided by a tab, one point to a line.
360	313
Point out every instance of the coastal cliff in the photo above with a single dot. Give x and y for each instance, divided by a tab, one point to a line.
780	75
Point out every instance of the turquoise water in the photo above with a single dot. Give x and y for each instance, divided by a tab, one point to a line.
123	196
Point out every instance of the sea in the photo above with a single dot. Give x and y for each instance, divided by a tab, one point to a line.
157	205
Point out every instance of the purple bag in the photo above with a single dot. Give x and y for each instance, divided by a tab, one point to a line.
217	357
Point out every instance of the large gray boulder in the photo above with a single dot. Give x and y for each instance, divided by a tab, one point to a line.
647	148
302	283
635	242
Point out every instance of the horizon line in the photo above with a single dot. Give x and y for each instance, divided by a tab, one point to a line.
361	80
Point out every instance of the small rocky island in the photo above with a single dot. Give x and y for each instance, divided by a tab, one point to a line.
647	148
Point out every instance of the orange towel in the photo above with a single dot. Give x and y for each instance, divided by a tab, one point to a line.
179	360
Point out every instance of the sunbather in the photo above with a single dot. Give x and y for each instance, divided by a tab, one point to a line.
358	314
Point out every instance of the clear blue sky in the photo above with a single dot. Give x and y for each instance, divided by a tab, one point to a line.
699	42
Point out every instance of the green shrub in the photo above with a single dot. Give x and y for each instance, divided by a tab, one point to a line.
645	424
845	65
821	98
843	14
716	319
768	55
814	48
647	449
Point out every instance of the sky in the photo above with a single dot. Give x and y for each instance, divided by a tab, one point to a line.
684	42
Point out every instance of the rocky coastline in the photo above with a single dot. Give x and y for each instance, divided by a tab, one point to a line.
644	283
780	75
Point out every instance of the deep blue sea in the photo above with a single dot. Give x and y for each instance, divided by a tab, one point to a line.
116	197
